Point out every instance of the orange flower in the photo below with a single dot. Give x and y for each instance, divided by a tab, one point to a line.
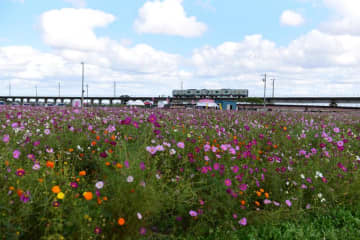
275	146
285	128
93	151
266	195
243	202
107	164
257	203
262	190
121	221
99	201
82	173
56	189
258	193
77	179
71	149
88	195
98	138
40	180
110	151
81	155
93	143
11	188
119	165
6	163
105	198
50	164
19	192
106	132
113	137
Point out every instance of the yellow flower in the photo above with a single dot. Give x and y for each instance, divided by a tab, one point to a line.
60	195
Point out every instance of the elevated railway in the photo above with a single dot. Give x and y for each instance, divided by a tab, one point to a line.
329	101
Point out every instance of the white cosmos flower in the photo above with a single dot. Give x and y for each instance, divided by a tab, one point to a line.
139	216
99	185
130	179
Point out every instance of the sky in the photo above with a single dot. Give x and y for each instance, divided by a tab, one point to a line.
150	47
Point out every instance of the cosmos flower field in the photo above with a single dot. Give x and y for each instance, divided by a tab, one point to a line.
114	173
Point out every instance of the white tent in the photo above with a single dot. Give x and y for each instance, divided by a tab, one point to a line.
135	103
207	105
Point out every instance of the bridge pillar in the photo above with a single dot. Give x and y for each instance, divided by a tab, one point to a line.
21	101
111	101
333	103
92	101
36	100
45	100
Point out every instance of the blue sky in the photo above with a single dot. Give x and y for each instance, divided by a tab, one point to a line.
149	47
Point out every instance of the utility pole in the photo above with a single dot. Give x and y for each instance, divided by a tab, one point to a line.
35	90
87	91
264	80
273	87
59	89
9	87
182	85
114	89
82	85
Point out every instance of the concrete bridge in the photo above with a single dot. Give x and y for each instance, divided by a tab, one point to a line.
331	101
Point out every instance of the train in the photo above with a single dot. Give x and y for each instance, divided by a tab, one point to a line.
204	93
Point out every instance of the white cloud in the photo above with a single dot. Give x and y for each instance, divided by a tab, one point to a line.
74	28
310	65
346	19
167	17
316	63
77	3
139	69
291	18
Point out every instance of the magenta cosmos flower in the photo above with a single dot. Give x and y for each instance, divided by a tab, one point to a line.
228	182
20	172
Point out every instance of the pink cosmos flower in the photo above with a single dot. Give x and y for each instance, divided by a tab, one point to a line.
288	202
267	201
16	154
6	138
243	221
193	213
180	145
151	150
